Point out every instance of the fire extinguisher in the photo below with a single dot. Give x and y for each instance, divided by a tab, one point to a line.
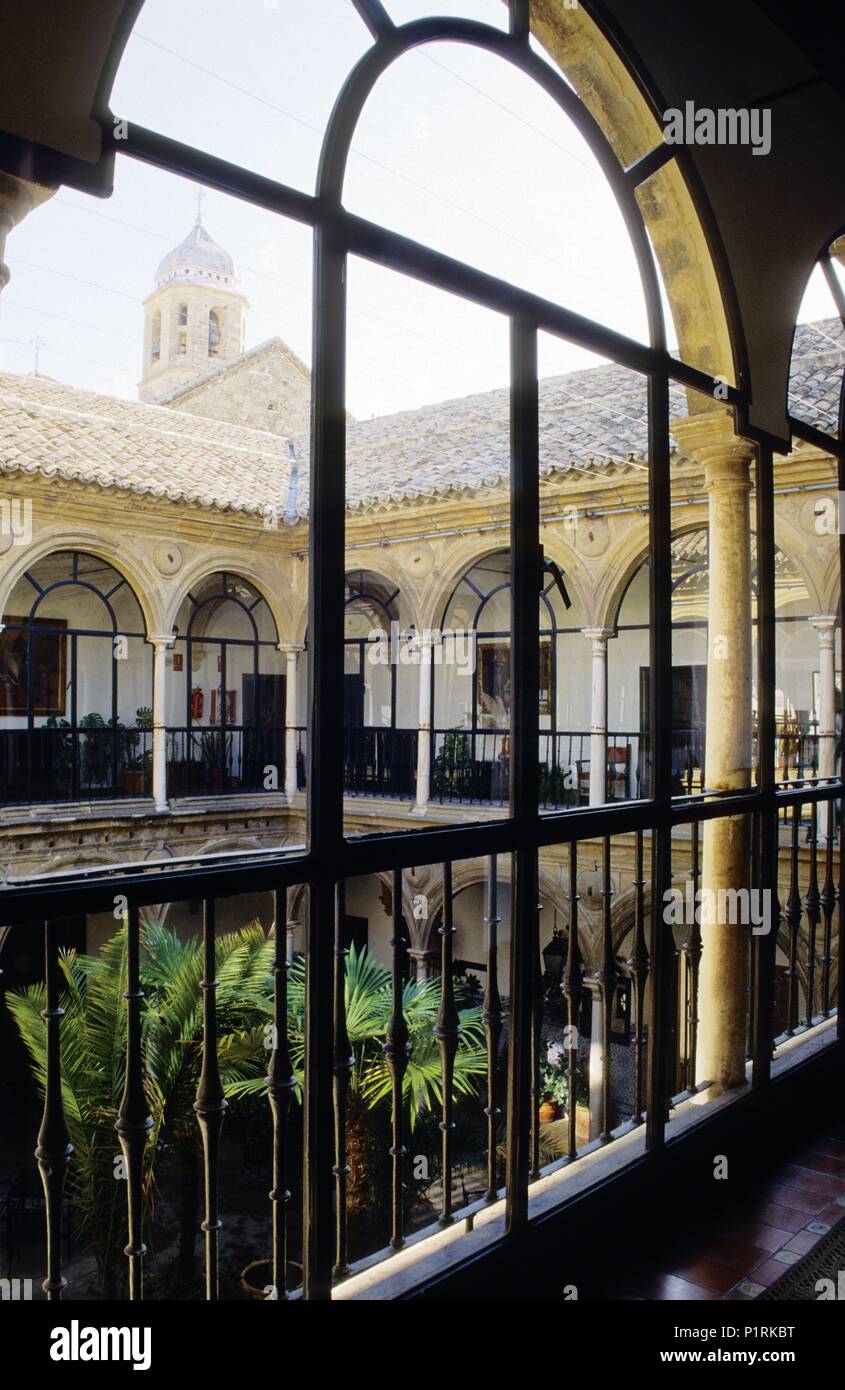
196	703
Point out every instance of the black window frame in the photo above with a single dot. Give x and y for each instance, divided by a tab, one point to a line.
329	857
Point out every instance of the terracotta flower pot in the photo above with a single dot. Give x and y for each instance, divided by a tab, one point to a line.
549	1111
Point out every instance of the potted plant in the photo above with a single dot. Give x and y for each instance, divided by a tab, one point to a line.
554	1088
453	765
60	757
97	749
139	760
216	751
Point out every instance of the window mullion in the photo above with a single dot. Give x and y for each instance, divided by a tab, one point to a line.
525	673
325	744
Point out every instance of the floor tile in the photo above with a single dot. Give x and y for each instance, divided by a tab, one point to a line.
787	1218
734	1252
769	1272
749	1288
816	1182
802	1242
822	1163
832	1214
710	1273
670	1288
798	1198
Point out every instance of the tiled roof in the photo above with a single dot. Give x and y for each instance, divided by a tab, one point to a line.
592	420
815	382
59	431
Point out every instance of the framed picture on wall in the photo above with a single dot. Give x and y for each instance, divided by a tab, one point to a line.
231	706
493	680
48	677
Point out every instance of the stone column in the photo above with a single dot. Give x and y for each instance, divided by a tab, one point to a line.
726	860
17	198
598	714
161	646
825	625
291	651
426	642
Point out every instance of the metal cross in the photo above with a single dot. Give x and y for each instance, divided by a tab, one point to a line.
37	343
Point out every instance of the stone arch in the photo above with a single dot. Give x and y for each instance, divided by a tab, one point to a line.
135	571
231	563
463	556
617	100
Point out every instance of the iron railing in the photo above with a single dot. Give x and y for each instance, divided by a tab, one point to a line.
74	763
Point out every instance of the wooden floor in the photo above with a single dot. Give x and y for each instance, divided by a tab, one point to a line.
738	1247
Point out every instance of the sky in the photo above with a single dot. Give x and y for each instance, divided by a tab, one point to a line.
454	148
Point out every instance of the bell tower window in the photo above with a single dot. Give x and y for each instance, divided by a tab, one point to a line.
182	330
215	336
155	337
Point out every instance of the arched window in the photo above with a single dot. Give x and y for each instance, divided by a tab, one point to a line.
472	695
215	334
75	684
155	337
182	330
381	688
226	705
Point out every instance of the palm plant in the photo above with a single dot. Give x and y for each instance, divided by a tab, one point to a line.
93	1048
93	1053
93	1059
369	1005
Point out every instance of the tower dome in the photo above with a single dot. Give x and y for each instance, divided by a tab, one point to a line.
197	260
194	319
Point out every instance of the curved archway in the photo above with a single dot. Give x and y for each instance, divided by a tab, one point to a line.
75	683
471	690
226	699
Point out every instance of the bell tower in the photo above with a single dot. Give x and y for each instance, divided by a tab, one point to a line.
195	317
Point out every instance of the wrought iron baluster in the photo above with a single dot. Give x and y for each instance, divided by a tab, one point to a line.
812	907
604	981
751	1010
535	1045
840	955
280	1086
492	1016
54	1149
133	1119
792	916
397	1046
572	994
447	1031
343	1065
637	964
828	906
691	950
210	1106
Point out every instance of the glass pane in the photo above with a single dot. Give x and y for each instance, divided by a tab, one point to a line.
253	83
449	981
427	690
818	358
171	971
157	663
501	180
491	12
594	611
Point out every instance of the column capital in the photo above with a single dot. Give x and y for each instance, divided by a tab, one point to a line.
599	634
825	625
710	439
17	198
161	639
290	648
